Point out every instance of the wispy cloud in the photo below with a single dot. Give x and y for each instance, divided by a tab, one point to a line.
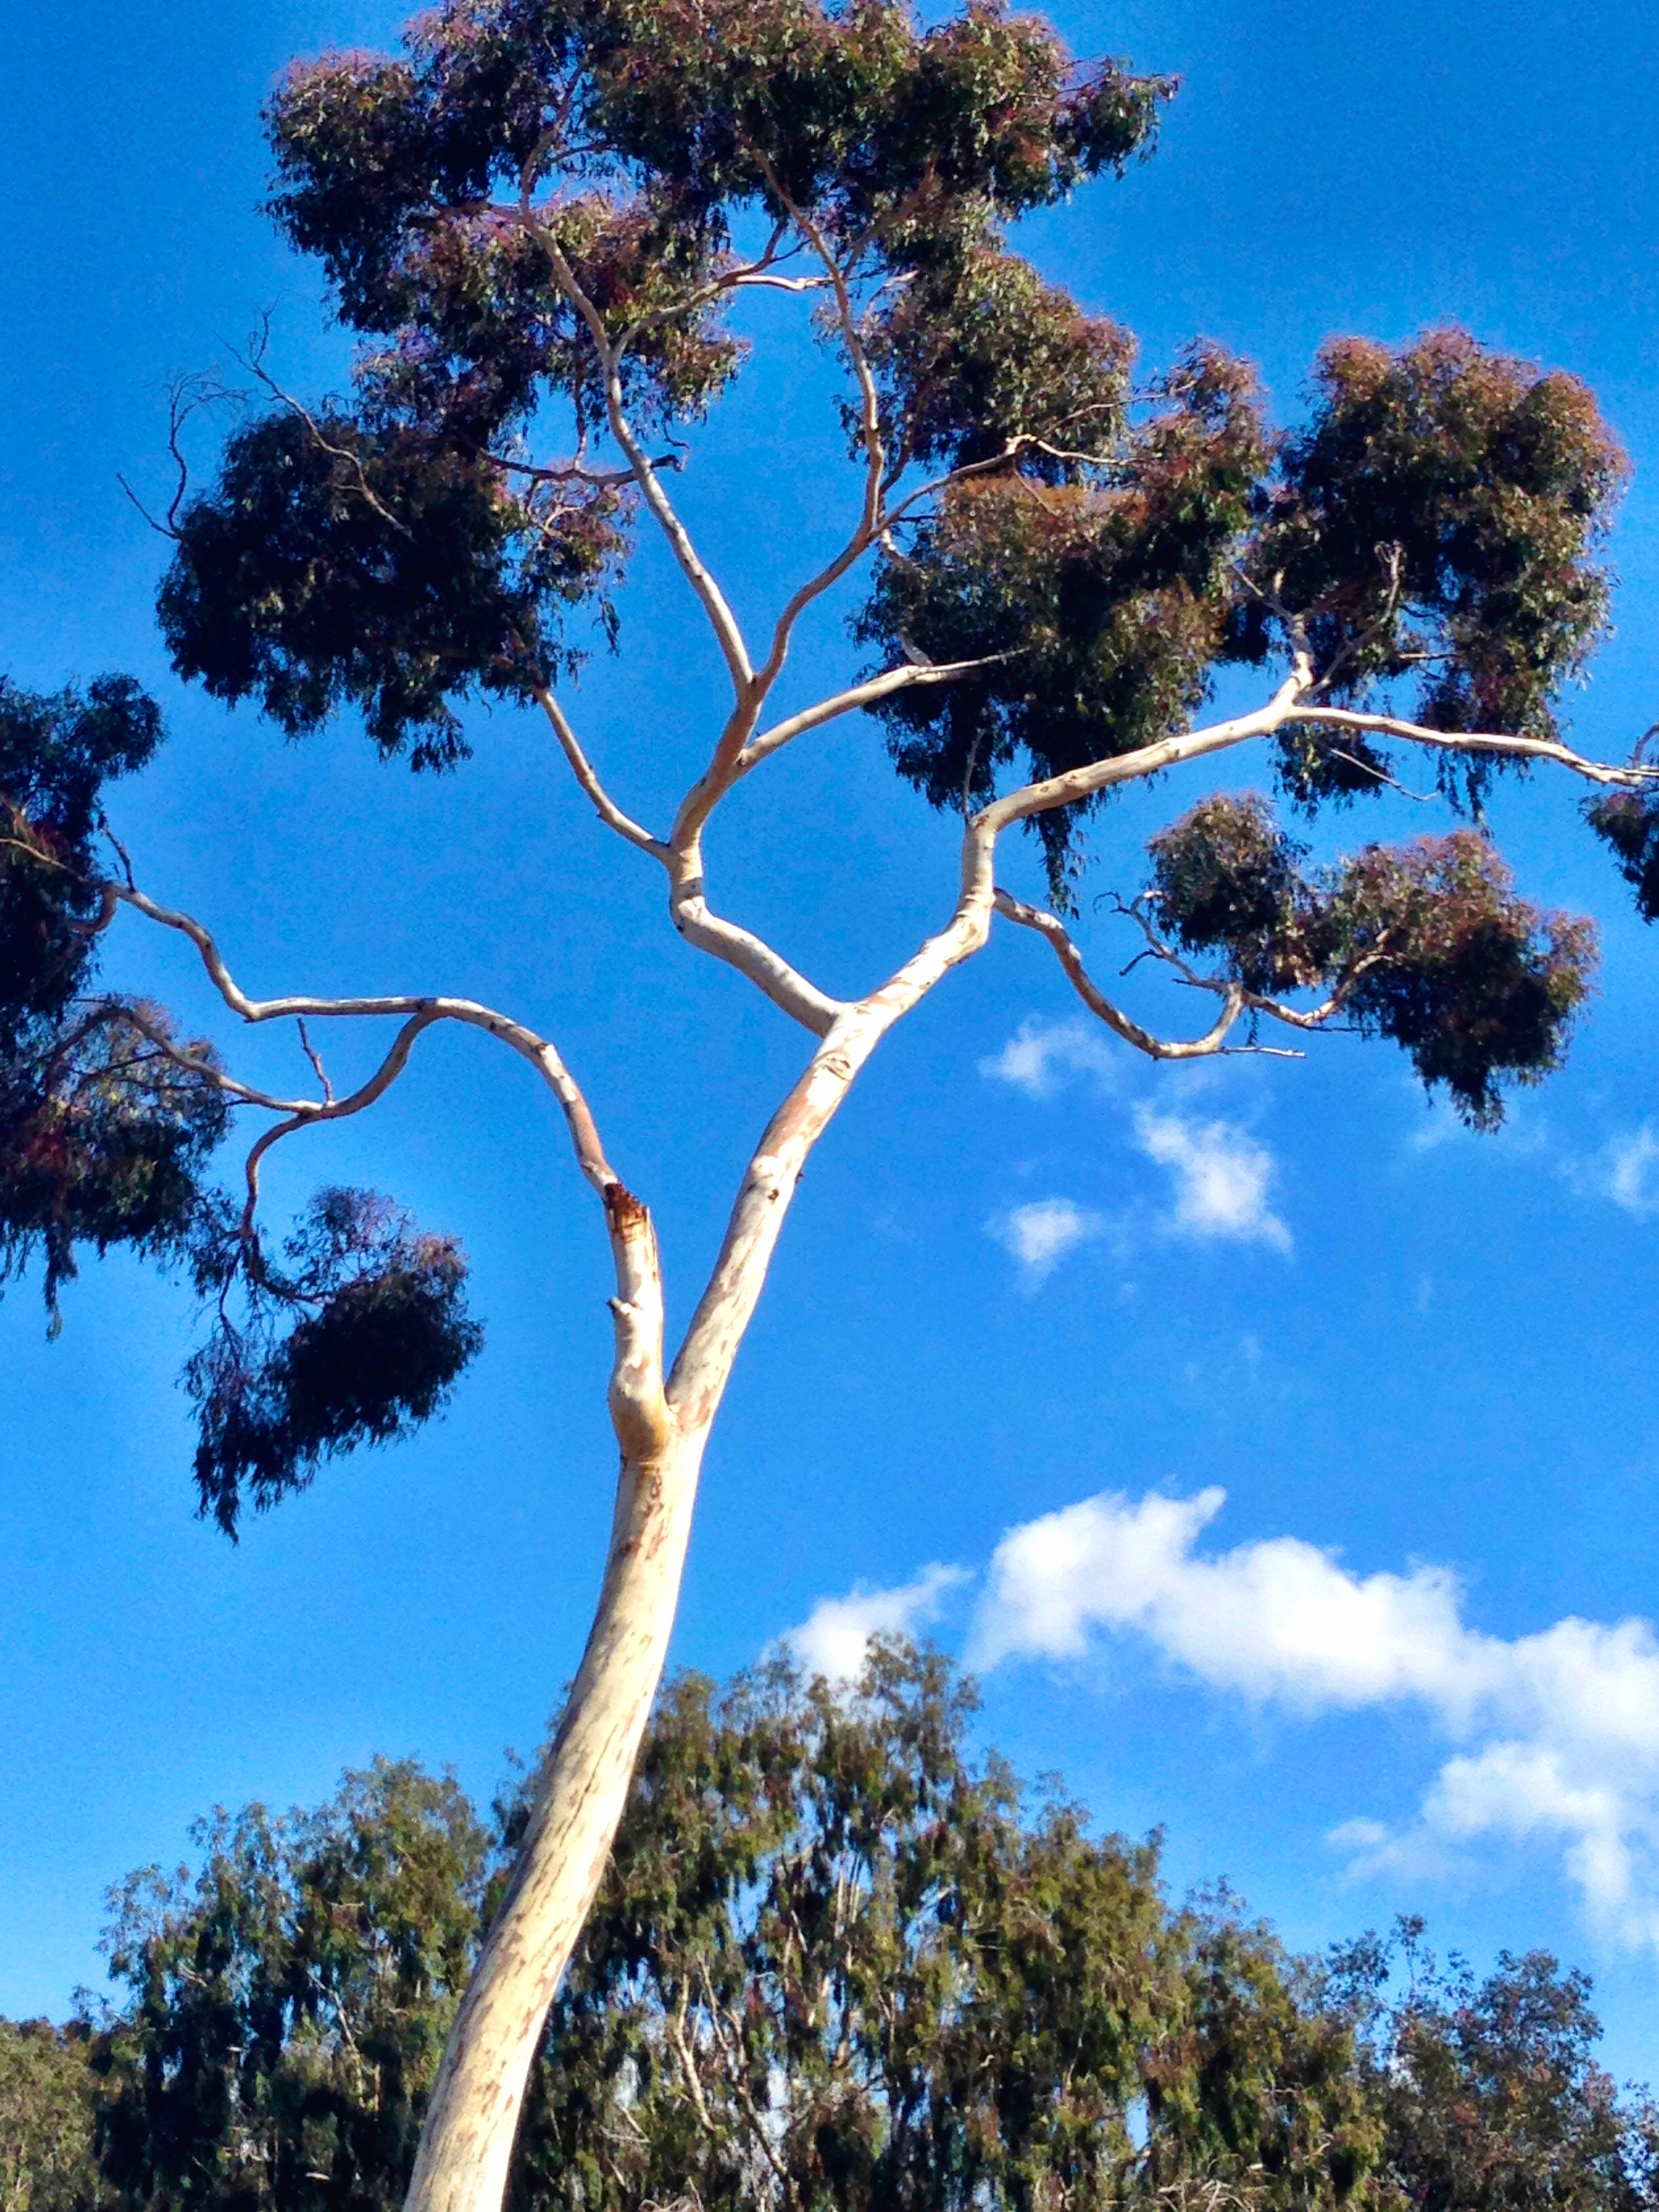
1221	1177
1626	1170
1039	1234
834	1636
1559	1731
1041	1055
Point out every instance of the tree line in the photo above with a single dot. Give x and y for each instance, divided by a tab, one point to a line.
839	1963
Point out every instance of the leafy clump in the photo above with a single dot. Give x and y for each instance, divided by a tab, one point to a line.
1428	539
1226	874
107	1118
1098	601
1432	529
1425	943
343	563
104	1132
1479	986
56	752
1628	822
357	1342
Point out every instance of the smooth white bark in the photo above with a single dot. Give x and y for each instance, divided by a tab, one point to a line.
467	2146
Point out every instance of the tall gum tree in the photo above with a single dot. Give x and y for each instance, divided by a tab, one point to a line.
536	219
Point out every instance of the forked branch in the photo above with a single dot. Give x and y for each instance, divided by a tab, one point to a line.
639	1408
712	600
1214	1040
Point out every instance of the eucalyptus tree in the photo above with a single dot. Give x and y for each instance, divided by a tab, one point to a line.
836	1962
836	1965
286	2001
47	2104
1488	2092
536	217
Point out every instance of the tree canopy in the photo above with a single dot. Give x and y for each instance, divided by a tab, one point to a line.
839	1964
538	219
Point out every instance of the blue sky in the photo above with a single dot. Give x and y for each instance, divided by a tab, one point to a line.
1025	1272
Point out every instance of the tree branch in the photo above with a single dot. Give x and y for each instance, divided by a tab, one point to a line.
851	701
1169	752
1632	776
541	1054
609	812
1214	1040
741	949
639	1408
308	1113
721	619
869	523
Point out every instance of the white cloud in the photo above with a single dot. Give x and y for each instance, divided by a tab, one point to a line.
1558	1731
833	1638
1221	1177
1041	1233
1627	1172
1040	1055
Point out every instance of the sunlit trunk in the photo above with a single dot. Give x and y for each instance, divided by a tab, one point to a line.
467	2146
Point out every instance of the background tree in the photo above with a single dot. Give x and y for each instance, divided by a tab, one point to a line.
47	2100
1488	2091
289	2001
836	1962
536	220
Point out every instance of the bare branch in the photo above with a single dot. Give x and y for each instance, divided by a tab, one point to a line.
185	395
334	1110
541	1054
741	949
782	283
875	458
688	906
246	1094
858	697
1212	1042
721	619
1299	1018
1169	752
1632	776
317	1069
609	812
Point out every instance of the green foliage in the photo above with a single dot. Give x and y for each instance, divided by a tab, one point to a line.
57	753
47	2107
104	1135
109	1120
859	116
106	1120
400	554
1425	943
289	2004
370	564
1628	822
1491	2098
377	1333
1105	595
1432	526
836	1964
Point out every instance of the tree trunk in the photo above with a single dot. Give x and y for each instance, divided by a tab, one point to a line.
467	2144
466	2147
